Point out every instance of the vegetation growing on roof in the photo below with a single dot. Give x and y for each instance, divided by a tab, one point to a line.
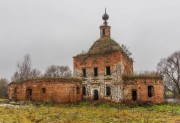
106	45
67	79
126	50
143	76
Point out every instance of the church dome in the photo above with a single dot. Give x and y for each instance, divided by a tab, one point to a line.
104	45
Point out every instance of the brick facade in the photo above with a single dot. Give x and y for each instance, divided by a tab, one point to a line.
118	65
48	90
103	69
144	89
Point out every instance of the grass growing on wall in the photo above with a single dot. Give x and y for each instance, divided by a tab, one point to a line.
86	112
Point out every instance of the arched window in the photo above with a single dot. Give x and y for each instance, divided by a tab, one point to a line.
108	91
134	95
84	91
150	91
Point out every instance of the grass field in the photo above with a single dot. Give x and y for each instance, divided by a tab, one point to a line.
86	112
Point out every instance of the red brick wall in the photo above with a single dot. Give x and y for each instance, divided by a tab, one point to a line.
141	86
119	65
101	61
55	91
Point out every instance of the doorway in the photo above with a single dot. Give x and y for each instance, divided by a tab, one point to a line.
134	95
29	93
96	95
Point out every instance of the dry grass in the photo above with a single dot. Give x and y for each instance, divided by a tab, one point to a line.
87	113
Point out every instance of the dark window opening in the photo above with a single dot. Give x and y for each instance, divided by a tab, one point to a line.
150	91
104	32
134	95
108	91
95	71
84	72
77	89
84	91
43	90
108	70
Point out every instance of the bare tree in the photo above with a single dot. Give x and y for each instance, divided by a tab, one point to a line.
170	68
25	71
64	71
3	88
35	73
51	71
54	71
126	50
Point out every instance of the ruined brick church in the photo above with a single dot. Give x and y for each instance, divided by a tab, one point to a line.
105	73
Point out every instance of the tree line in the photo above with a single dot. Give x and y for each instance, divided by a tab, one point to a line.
25	71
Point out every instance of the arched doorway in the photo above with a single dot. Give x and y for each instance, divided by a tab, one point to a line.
96	95
28	93
108	91
84	91
134	95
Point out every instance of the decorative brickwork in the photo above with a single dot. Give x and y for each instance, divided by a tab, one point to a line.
117	65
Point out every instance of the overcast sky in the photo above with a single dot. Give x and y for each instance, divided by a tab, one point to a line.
53	31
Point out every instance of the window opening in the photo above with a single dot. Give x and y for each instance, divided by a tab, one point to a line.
95	71
104	32
150	91
108	70
84	72
43	90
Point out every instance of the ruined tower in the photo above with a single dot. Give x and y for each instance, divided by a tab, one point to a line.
102	67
